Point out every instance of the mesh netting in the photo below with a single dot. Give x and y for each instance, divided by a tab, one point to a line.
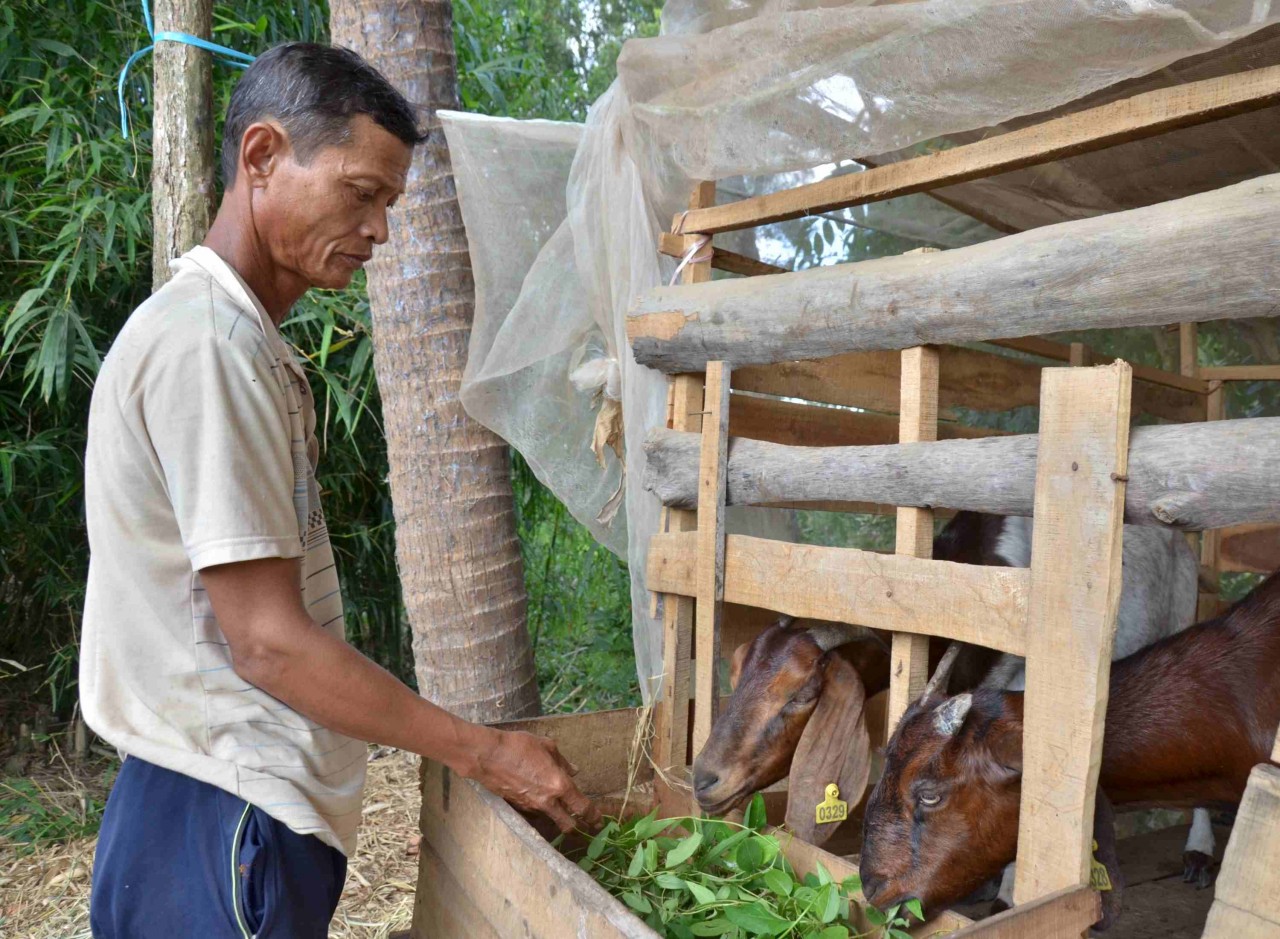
563	219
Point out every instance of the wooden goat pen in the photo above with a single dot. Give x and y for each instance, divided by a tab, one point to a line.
840	389
829	337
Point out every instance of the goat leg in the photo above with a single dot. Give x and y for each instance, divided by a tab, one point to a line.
1104	833
1198	856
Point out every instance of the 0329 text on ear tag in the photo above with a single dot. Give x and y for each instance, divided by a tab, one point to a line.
1099	879
831	809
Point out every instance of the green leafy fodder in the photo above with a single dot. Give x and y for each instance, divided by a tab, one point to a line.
688	877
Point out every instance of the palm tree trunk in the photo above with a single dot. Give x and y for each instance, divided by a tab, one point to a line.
456	543
181	136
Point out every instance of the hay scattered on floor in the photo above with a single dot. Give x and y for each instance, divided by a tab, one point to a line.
45	894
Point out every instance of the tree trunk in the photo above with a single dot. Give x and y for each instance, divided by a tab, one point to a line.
1206	257
182	182
1187	476
456	543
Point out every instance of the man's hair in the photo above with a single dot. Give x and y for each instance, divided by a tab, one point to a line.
313	91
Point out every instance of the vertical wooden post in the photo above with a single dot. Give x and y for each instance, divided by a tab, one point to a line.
1246	904
1210	603
1081	355
712	477
671	714
1204	545
182	168
917	422
1075	595
1189	349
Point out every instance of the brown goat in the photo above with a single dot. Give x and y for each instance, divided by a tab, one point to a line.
1187	719
798	692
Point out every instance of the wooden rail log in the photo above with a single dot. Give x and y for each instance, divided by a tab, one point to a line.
1186	476
1162	264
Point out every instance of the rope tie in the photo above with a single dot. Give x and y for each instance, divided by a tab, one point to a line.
228	56
700	253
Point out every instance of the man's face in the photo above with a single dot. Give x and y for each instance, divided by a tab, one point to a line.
321	220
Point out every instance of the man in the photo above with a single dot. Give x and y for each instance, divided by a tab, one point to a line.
213	653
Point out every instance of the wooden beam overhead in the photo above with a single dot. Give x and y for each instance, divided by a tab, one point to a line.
1144	115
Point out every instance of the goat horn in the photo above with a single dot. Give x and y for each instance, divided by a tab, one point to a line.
948	717
830	635
938	683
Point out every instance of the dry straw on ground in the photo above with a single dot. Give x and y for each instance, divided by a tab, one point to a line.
45	894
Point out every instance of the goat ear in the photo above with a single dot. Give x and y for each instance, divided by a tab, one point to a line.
1005	745
834	748
736	663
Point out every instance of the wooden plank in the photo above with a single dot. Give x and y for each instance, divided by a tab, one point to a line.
971	378
813	425
677	246
918	421
1151	266
1143	115
1189	348
441	907
1241	372
1253	549
1209	604
1188	476
1142	374
1075	595
1229	922
858	508
983	605
710	610
671	714
1189	365
1065	913
519	883
1247	879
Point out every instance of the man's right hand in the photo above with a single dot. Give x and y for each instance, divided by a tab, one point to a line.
529	772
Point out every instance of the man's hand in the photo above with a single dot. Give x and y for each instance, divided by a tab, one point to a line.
530	773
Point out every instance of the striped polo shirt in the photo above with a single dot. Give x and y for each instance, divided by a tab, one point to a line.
202	451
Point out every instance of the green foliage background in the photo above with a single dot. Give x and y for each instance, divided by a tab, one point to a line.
75	244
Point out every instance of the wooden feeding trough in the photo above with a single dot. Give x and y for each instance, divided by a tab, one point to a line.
754	361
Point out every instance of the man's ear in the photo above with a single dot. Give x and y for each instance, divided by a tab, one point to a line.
262	146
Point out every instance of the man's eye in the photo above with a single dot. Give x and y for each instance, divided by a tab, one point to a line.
363	195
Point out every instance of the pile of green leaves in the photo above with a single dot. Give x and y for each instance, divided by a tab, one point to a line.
690	877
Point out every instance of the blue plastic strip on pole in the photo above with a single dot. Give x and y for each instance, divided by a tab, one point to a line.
228	56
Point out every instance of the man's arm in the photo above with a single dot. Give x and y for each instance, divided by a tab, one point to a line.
277	647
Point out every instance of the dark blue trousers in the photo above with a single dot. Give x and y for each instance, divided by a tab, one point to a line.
179	858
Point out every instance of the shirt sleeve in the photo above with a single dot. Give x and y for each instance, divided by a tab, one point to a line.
219	422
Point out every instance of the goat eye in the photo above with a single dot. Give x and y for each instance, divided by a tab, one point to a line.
929	799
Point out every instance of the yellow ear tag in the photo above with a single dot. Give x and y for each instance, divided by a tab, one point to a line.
831	809
1099	879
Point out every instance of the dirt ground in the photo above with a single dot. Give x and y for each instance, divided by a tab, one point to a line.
44	894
